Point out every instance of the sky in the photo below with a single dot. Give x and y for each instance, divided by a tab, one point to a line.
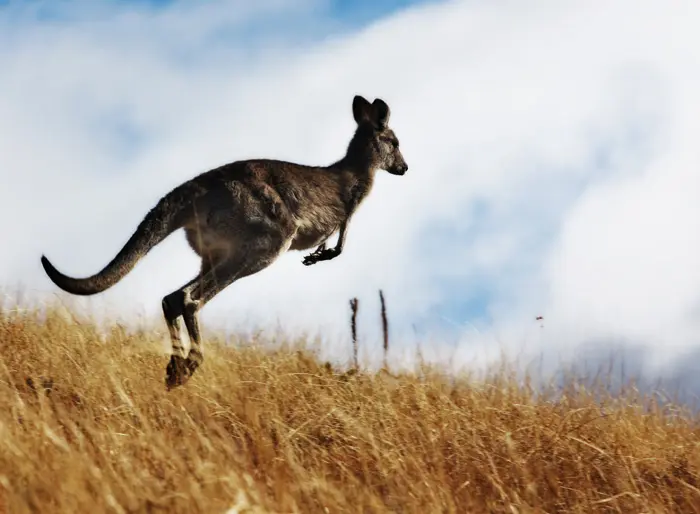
552	151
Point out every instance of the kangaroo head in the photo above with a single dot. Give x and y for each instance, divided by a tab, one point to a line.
374	142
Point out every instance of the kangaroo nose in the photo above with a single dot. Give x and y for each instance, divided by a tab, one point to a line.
398	168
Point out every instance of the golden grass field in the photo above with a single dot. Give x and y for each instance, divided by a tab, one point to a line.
94	430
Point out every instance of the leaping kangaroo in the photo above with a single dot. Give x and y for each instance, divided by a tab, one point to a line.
240	217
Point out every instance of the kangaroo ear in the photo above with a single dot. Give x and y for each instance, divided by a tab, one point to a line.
381	113
361	109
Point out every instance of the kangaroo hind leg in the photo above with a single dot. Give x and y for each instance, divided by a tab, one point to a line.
174	307
246	260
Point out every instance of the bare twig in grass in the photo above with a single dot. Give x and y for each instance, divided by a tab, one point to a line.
353	326
385	328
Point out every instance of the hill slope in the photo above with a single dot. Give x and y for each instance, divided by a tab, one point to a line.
94	430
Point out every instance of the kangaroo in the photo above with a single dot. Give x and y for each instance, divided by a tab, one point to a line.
240	217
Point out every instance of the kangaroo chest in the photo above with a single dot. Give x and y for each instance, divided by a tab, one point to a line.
312	233
322	215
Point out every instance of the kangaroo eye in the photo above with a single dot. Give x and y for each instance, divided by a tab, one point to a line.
391	141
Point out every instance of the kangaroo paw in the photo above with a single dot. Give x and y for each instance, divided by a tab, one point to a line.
179	371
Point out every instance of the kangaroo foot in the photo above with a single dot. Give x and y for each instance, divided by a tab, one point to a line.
179	371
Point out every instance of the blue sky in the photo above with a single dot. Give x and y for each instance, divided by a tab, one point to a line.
350	12
356	10
550	147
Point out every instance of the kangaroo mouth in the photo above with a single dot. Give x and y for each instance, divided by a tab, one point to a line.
401	170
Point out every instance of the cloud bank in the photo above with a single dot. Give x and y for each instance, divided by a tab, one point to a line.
552	147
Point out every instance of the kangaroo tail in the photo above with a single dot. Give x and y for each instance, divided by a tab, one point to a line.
159	223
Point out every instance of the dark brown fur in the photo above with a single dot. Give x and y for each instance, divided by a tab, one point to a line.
242	216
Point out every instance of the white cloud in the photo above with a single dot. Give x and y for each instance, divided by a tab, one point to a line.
553	143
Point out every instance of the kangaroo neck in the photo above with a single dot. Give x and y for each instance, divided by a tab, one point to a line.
360	168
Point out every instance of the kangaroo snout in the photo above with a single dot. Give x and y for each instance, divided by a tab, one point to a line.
400	169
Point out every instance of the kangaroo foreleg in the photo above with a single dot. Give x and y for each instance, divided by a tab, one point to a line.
325	254
316	255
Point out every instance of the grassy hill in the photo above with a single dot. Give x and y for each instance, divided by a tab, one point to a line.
86	425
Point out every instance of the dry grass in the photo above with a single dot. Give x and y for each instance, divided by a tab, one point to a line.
256	431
